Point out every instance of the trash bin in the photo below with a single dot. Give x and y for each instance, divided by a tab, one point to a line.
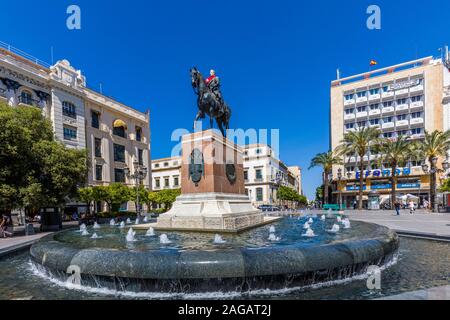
51	219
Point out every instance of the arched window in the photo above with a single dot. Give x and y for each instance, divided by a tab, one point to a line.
26	97
69	109
119	127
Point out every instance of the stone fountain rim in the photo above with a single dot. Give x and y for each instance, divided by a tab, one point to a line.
226	263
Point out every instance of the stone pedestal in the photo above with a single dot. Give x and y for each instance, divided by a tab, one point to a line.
212	188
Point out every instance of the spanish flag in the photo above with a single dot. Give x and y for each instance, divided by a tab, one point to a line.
373	63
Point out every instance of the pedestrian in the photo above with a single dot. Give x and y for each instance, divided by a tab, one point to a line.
4	223
411	207
397	207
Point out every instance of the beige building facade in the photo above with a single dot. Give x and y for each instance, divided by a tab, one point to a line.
401	100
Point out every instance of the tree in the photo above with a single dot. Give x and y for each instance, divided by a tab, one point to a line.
167	197
358	143
319	193
288	194
35	169
143	195
436	144
87	195
151	199
394	152
116	194
325	160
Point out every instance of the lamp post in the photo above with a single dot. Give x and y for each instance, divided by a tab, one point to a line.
339	176
139	174
432	171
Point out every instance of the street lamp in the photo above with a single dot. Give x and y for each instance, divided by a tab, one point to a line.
432	171
139	174
339	176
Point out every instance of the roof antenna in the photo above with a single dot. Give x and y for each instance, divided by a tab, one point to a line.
101	88
338	74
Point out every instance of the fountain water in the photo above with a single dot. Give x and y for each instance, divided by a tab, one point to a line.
323	217
310	221
306	225
131	235
150	232
218	239
122	225
346	223
335	228
82	227
112	222
272	229
137	221
95	236
309	233
84	232
96	225
145	219
338	219
128	221
273	237
163	239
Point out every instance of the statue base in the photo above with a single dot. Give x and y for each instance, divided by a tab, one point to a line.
212	191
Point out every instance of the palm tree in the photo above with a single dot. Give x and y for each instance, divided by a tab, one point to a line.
325	160
395	153
358	143
436	144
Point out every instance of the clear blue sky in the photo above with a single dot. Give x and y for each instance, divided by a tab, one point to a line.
275	58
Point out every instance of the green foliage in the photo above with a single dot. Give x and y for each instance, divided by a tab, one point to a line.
445	186
143	194
164	197
319	193
435	144
116	194
35	170
288	194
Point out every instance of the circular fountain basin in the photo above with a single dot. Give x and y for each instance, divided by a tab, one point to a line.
193	262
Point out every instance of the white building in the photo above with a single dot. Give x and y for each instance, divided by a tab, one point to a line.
263	174
114	134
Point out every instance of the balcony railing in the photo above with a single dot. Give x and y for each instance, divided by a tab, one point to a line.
29	101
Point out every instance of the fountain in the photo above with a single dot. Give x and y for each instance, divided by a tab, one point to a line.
273	237
163	239
323	218
334	229
112	222
145	219
150	232
128	221
96	225
310	221
272	229
309	233
218	239
306	225
338	219
82	227
122	225
84	232
95	236
131	235
346	223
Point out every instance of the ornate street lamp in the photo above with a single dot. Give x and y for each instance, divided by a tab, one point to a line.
432	171
339	175
139	174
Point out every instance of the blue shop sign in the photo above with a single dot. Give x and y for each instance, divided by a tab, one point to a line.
384	173
353	188
408	185
381	186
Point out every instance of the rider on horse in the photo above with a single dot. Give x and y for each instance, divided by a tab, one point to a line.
213	84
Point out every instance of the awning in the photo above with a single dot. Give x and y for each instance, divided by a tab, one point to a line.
119	123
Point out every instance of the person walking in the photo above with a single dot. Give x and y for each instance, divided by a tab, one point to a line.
397	207
411	207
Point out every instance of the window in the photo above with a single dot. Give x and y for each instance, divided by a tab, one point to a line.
401	101
362	124
388	134
156	165
140	157
416	163
415	115
245	153
138	133
70	133
349	111
166	164
401	117
349	126
361	94
166	182
176	181
245	175
416	131
98	172
258	151
402	133
69	109
95	119
258	174
119	131
385	89
361	109
119	175
119	153
374	91
26	97
374	121
350	169
387	119
348	97
259	194
387	104
98	147
374	106
175	163
416	98
157	183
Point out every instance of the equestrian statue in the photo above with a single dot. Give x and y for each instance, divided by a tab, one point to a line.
209	100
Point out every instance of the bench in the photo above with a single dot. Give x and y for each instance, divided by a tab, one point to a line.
334	207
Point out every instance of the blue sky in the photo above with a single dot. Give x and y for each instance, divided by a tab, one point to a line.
275	58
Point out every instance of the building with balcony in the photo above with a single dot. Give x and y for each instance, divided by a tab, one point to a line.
405	99
115	135
263	174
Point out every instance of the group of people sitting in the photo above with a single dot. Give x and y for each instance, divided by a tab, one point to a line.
5	222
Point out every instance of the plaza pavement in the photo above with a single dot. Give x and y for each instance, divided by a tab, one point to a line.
420	224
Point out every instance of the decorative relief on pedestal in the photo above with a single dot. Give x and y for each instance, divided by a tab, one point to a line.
230	170
196	166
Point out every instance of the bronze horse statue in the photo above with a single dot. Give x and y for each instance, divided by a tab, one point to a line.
209	104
